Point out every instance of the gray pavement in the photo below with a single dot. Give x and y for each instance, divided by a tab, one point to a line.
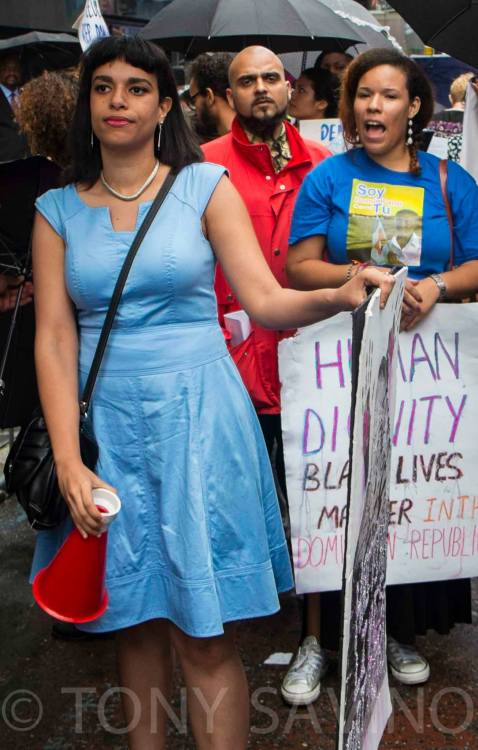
56	695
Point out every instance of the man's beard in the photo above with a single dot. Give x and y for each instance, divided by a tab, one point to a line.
263	128
205	124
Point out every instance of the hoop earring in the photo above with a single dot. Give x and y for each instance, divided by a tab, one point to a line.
410	132
160	128
92	140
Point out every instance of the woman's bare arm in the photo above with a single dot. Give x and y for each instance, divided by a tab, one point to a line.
306	268
56	346
232	236
56	358
461	283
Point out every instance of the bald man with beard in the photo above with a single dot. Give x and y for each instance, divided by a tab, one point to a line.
267	161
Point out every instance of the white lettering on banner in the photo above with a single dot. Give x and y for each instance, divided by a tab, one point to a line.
91	24
433	522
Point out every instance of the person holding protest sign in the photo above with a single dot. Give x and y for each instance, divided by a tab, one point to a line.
350	207
199	542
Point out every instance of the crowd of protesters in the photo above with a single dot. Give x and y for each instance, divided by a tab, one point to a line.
256	220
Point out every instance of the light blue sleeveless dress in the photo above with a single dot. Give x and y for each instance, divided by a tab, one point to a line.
199	539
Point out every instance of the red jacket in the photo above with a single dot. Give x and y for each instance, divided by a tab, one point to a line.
270	198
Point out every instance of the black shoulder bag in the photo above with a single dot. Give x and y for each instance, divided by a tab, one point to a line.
30	467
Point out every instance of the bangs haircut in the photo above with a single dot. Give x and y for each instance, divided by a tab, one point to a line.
178	144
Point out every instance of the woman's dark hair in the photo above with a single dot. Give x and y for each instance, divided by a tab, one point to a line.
417	84
212	72
178	144
326	52
326	87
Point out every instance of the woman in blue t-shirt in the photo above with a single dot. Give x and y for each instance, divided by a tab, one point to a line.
382	203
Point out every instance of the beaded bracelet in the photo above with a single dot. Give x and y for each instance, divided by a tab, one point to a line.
353	264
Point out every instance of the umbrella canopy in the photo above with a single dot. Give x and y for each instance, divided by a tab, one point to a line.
447	25
442	70
282	25
51	15
39	51
373	35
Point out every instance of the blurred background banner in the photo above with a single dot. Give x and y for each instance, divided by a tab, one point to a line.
90	24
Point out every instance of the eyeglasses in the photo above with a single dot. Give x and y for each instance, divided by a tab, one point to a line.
191	102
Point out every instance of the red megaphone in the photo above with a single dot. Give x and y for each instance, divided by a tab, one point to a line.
71	587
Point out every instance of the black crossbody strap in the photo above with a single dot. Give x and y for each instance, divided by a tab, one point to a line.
118	290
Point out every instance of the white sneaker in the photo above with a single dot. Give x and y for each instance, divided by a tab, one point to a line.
406	664
301	685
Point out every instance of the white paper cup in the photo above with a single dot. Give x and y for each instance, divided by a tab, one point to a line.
109	503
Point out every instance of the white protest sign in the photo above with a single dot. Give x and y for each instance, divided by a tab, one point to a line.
365	703
433	532
328	132
438	146
469	158
90	24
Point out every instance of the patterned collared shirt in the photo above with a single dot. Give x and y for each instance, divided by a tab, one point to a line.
279	148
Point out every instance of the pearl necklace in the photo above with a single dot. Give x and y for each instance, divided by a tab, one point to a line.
132	196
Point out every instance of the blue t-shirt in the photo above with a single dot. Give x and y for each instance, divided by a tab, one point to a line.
368	212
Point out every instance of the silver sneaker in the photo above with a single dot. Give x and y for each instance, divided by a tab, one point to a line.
301	685
406	664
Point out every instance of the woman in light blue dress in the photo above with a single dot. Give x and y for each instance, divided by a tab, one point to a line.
199	543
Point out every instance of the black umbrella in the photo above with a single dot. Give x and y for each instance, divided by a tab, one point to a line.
373	34
39	50
48	15
447	25
282	25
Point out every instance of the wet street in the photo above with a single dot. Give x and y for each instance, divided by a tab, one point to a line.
57	695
